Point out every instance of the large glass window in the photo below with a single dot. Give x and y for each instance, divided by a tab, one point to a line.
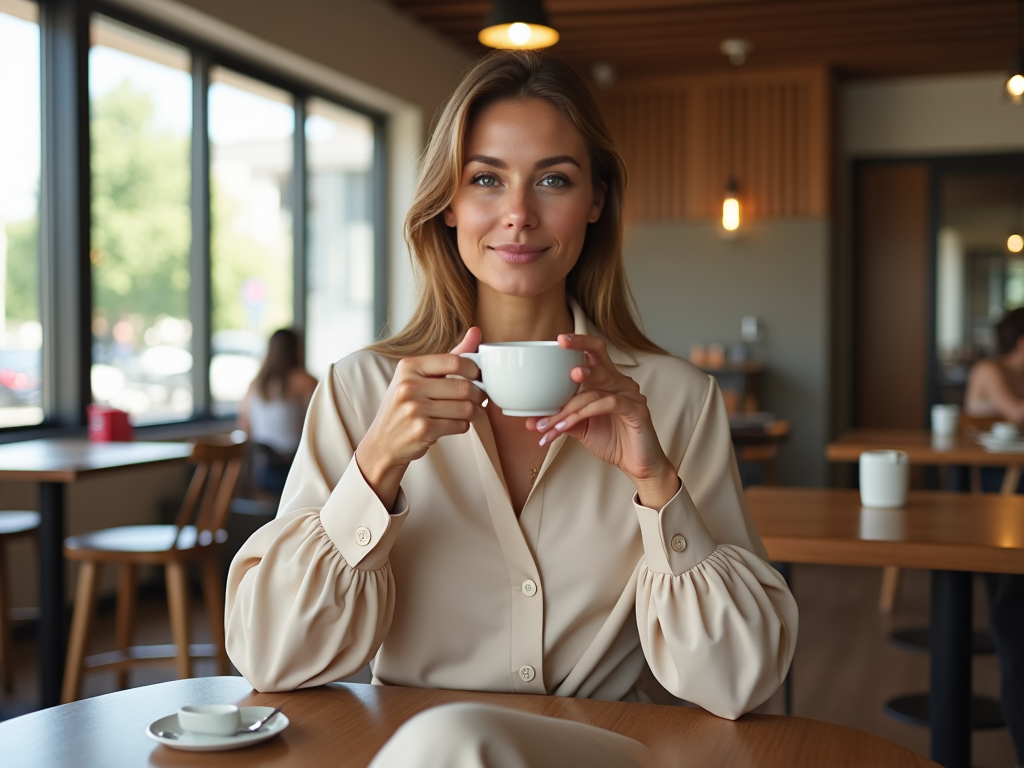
340	217
252	128
140	100
21	334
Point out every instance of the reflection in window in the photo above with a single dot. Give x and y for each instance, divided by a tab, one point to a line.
21	335
140	100
340	147
251	153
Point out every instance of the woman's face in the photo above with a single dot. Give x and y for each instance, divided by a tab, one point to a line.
525	198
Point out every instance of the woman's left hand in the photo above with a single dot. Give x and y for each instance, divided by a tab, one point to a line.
610	417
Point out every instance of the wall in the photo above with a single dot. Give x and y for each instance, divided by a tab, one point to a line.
950	114
691	286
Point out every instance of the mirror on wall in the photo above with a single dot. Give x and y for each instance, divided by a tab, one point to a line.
977	276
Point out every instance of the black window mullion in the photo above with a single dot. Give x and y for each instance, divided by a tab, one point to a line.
201	293
380	228
66	283
300	221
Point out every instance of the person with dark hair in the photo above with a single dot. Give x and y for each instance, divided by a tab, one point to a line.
580	554
996	388
996	385
273	410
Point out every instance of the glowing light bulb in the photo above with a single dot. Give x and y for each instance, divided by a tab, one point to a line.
1015	243
519	33
730	213
1015	87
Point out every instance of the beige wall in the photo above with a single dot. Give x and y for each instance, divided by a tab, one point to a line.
691	286
949	114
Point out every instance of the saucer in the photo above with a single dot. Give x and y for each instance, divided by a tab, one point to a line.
994	444
198	742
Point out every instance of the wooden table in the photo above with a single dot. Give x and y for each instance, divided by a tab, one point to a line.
952	534
54	463
924	448
343	725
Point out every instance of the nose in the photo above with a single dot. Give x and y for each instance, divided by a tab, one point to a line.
520	208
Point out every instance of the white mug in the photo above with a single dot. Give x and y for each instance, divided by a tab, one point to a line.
1005	430
945	419
527	378
884	479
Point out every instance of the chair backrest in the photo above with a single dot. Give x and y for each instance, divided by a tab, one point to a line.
208	498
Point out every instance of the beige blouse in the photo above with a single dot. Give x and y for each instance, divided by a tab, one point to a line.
449	590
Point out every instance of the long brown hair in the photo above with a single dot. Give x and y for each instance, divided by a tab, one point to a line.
284	355
447	302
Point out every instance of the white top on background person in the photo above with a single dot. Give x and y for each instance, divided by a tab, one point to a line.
461	548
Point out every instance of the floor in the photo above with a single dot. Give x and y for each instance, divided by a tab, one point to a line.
844	670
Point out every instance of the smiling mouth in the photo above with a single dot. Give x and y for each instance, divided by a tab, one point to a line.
515	253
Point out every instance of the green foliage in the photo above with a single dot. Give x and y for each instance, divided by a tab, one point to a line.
141	232
22	288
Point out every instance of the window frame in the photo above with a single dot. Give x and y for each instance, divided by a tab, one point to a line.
65	211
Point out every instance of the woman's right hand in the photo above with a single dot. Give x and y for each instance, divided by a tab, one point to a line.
420	407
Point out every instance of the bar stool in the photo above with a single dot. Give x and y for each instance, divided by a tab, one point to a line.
14	524
196	537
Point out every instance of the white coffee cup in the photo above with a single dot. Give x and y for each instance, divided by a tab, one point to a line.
945	419
210	719
884	479
1005	430
527	378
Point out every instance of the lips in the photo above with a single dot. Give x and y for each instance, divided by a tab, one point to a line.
518	253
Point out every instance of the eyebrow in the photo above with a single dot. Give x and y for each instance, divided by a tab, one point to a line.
545	163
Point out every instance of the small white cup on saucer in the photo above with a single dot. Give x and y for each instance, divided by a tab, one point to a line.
210	719
1005	430
945	419
884	479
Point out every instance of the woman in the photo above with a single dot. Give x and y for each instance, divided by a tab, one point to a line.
273	409
461	548
996	388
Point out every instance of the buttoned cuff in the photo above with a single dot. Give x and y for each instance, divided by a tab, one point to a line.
675	537
358	524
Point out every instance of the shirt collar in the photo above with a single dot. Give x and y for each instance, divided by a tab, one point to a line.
583	325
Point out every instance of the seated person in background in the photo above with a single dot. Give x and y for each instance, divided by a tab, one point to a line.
996	388
274	408
996	385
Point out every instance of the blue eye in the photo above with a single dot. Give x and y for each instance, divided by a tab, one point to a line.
485	180
554	181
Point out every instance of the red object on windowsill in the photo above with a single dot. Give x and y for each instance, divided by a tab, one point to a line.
107	425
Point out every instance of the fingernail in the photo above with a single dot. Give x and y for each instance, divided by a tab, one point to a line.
586	371
543	439
568	336
561	425
542	424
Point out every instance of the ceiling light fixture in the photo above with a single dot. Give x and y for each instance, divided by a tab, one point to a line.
732	223
1015	77
518	24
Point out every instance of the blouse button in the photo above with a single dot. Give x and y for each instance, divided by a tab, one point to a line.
678	543
363	536
527	673
529	588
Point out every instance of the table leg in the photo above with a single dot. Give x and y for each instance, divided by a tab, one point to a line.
52	632
950	704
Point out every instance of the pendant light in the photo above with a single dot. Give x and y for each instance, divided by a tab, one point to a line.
518	24
733	221
1015	242
1015	77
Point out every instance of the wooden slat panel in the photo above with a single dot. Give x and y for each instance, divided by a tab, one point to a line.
683	137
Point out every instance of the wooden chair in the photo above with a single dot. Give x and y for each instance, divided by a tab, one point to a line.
762	447
969	427
14	524
196	536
